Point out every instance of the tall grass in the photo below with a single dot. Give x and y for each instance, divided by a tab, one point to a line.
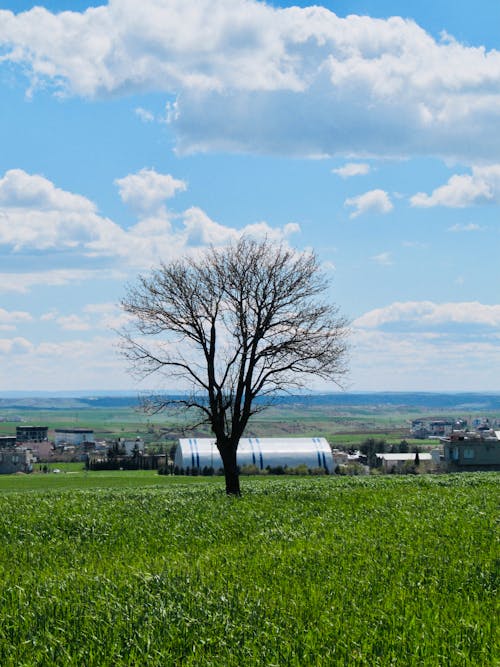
333	571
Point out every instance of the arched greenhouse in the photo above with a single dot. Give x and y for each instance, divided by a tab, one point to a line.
202	453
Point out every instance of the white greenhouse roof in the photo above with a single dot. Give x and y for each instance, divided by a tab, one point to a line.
261	452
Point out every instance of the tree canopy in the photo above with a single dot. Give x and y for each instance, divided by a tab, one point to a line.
234	325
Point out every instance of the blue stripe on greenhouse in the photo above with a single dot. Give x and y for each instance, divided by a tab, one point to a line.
317	442
192	452
261	460
197	453
253	453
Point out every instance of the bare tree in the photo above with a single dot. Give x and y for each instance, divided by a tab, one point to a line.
237	324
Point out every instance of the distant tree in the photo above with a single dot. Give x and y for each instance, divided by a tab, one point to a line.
238	325
417	457
404	447
370	448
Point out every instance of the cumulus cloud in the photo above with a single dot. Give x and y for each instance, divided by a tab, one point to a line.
482	186
19	189
358	85
106	315
430	314
36	214
352	169
42	217
15	346
10	319
374	201
147	189
46	364
406	361
405	343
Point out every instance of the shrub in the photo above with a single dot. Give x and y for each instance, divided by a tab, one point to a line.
249	469
318	471
350	469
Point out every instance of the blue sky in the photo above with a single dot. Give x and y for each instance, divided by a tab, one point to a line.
141	131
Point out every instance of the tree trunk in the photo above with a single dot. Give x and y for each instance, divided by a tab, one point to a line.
231	470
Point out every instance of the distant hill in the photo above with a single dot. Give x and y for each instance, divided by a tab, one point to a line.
428	400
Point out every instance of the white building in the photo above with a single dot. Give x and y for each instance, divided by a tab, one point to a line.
73	436
131	445
261	452
399	460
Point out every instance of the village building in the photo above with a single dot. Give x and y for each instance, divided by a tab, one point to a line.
436	428
16	459
7	441
108	460
472	450
31	433
397	462
73	436
130	446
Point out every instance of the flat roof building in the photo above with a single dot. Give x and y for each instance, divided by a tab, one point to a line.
31	433
469	450
73	436
16	459
7	441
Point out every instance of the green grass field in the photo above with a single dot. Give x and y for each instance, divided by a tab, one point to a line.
136	569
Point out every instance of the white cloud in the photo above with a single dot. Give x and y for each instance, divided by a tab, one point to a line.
49	316
14	347
482	186
428	313
374	201
358	85
145	115
24	282
93	316
406	361
106	315
383	258
22	190
147	189
470	227
72	323
35	214
328	266
48	219
10	319
352	169
94	362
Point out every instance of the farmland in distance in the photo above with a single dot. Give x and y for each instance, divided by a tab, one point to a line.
345	419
